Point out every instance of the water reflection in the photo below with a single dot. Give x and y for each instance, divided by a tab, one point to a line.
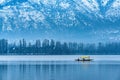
55	71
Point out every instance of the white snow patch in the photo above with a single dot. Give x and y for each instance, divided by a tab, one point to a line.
80	6
6	11
72	15
113	12
35	1
91	4
47	2
24	15
64	5
6	7
113	31
9	28
116	4
2	1
26	5
35	15
104	2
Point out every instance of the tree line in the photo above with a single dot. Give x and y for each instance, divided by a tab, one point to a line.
51	47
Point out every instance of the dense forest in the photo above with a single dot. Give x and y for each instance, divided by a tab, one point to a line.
51	47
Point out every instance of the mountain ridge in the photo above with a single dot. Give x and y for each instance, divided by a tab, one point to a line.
61	16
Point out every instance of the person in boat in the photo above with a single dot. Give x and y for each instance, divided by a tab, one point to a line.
84	58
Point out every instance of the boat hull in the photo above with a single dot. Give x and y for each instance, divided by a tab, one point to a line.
83	60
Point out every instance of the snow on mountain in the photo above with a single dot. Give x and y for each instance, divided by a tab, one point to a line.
116	4
1	1
114	10
4	1
59	14
64	5
104	2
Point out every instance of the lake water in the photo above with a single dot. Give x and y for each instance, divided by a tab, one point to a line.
59	70
56	57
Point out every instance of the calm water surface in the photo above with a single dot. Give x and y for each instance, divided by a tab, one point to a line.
69	70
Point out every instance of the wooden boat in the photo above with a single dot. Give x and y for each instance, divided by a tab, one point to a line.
84	58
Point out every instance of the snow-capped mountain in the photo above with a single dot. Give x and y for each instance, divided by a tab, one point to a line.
96	17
